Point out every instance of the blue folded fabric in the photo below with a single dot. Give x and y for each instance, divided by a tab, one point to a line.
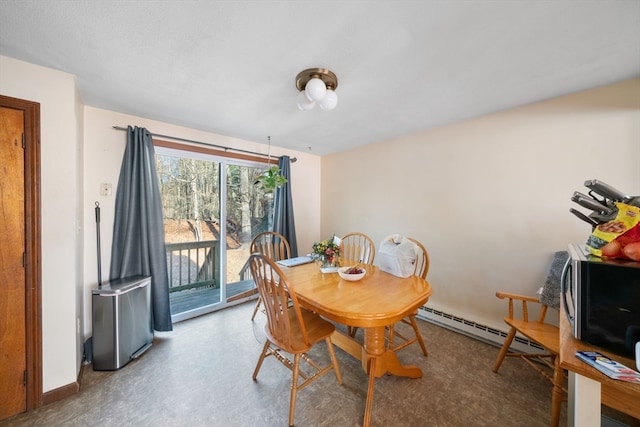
550	295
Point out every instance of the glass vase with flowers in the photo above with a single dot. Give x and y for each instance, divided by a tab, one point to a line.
327	252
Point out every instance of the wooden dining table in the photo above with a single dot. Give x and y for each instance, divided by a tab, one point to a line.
372	303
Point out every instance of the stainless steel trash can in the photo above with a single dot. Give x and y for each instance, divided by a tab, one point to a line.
122	327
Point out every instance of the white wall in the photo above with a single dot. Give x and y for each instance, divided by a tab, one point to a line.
489	197
61	183
103	157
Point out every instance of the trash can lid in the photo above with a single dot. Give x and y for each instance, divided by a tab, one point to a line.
120	286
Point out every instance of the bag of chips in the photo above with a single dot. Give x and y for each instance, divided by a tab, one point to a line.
620	237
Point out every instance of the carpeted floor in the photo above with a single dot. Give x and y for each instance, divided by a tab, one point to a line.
200	375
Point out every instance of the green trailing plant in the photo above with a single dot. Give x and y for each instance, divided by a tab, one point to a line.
271	179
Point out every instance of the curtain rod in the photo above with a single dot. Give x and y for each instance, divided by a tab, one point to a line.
293	159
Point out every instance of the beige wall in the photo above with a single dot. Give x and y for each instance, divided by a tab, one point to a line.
489	197
61	189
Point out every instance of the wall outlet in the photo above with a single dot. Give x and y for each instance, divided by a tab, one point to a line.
105	189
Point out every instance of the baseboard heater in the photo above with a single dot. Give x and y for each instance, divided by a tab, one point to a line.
476	330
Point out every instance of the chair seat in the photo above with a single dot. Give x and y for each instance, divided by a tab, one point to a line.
548	336
317	328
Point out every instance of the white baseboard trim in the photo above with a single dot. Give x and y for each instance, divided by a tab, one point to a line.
476	330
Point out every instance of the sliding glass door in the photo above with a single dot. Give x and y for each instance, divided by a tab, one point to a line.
212	210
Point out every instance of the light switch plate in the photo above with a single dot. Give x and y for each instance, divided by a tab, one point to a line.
105	189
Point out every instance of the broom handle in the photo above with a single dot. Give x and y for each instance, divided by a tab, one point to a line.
98	238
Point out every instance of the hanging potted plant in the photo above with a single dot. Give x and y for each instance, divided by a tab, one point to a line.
271	179
268	181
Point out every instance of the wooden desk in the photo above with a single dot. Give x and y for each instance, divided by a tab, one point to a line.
376	301
588	387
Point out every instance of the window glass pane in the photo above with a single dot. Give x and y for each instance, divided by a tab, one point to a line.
189	190
249	212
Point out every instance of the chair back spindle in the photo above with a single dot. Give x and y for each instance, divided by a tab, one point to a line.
357	247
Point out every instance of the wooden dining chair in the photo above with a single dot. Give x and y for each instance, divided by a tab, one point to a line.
546	335
357	247
290	328
272	245
421	269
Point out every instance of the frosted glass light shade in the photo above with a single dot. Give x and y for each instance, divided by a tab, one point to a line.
315	89
303	103
329	101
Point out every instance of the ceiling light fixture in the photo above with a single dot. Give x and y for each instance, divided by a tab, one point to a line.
316	86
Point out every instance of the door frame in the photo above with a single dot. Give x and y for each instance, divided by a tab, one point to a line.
33	256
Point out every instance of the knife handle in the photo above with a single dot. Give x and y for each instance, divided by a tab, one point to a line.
605	190
590	203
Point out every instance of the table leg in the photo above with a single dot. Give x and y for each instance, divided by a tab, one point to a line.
369	404
584	401
387	361
374	348
393	366
380	360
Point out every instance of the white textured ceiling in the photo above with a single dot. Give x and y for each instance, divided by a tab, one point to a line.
228	67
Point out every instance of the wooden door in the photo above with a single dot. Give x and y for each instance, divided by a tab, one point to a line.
20	362
12	275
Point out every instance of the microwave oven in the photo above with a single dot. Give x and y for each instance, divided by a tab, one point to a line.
601	299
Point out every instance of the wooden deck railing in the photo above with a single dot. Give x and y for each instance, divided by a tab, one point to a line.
245	271
193	265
